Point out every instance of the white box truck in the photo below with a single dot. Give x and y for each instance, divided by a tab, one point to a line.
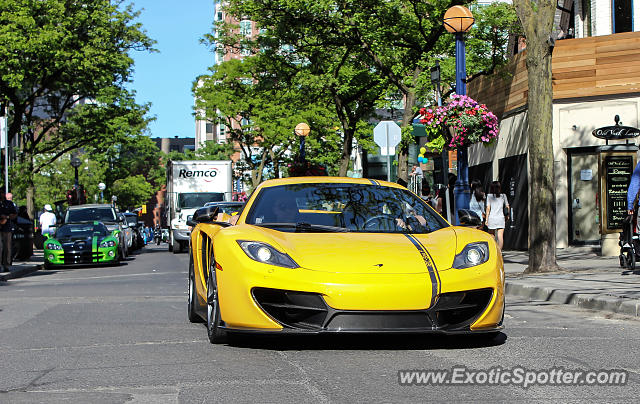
191	184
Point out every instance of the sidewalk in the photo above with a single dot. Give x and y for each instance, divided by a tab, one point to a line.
587	280
23	268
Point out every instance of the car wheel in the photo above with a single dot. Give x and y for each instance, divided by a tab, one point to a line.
170	243
193	315
47	266
216	334
177	247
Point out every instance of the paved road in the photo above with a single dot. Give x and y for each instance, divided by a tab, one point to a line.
120	334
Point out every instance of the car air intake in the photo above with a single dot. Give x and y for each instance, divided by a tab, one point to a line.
458	310
291	308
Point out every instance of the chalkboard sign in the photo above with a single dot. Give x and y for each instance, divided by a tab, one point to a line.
618	170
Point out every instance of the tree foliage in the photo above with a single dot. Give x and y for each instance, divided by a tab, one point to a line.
66	61
356	52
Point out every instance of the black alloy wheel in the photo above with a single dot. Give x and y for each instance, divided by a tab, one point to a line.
192	313
216	334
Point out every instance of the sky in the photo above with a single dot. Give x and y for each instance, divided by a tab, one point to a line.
164	78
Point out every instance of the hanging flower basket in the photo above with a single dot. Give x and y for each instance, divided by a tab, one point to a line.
460	123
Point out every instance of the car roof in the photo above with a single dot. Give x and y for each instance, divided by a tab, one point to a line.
90	205
326	180
224	203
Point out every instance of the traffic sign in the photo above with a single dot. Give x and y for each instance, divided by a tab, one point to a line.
387	135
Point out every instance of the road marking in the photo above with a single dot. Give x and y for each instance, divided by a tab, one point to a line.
306	380
92	346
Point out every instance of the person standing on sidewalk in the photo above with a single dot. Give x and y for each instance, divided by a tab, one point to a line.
478	200
47	219
497	212
634	188
8	213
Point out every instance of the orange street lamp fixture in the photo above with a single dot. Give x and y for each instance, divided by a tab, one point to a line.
458	19
302	129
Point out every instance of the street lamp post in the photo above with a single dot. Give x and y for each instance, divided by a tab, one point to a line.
302	130
458	20
75	163
435	80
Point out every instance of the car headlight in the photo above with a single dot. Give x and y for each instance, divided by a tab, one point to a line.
54	246
471	255
263	252
108	243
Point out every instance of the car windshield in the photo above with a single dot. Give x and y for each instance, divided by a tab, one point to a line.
131	220
105	214
343	207
82	230
198	199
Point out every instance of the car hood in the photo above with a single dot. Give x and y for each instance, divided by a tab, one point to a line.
367	252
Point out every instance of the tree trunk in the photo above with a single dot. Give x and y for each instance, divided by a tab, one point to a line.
31	189
538	27
256	173
345	158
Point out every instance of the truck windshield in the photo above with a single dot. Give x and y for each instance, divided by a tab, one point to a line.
198	199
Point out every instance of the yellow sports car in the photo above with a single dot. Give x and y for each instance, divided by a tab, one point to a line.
323	254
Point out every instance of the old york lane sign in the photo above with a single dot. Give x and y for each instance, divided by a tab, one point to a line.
616	132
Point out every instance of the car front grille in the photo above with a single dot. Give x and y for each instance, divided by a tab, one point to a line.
308	311
72	258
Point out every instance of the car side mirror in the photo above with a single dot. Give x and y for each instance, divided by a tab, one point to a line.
469	218
191	223
206	214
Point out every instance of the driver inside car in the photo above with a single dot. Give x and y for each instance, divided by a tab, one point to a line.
410	219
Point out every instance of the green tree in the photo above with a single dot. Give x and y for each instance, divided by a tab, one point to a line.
536	18
57	55
132	191
308	42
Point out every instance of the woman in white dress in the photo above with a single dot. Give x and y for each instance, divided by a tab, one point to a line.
496	212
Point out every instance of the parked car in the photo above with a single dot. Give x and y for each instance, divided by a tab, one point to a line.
137	238
103	213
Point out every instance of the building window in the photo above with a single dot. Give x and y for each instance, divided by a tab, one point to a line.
622	16
220	16
245	27
209	128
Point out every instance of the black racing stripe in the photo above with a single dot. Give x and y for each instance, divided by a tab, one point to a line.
435	284
435	269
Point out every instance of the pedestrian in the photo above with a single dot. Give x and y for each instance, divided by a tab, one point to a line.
426	192
8	212
416	179
633	192
497	212
47	220
477	201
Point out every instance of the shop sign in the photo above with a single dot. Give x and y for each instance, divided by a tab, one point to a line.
616	132
618	170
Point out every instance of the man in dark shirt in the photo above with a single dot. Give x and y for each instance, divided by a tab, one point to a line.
8	212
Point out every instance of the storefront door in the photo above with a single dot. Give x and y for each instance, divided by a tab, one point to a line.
584	221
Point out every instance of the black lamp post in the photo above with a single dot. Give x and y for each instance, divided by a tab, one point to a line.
302	130
75	163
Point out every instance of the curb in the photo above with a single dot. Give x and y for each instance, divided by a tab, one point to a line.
627	306
19	273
